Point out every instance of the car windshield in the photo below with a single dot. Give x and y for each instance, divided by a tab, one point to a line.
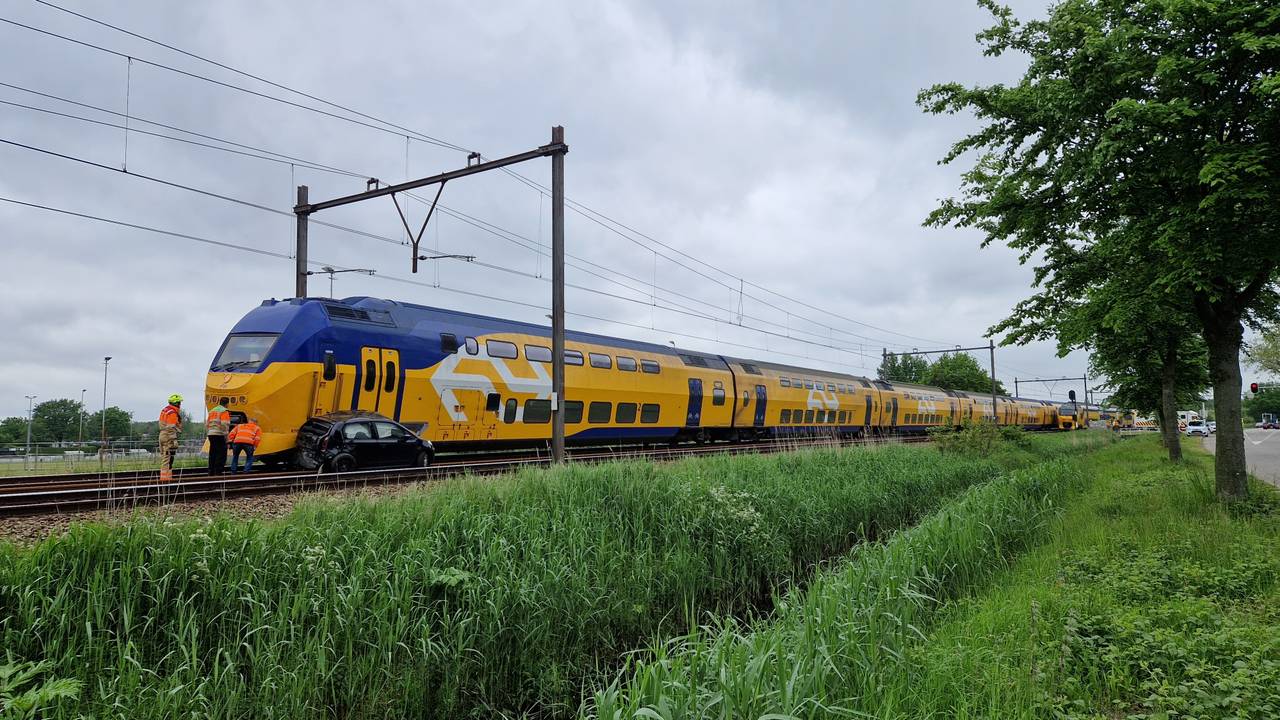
243	352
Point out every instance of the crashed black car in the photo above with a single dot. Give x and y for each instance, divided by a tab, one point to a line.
346	441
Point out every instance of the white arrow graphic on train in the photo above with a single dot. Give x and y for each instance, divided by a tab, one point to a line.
446	379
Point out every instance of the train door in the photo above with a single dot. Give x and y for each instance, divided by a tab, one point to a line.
328	390
866	419
893	413
370	379
694	417
379	380
762	398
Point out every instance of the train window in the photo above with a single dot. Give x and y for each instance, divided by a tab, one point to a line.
808	384
330	365
717	396
448	343
572	357
865	384
785	417
626	413
492	402
509	413
746	398
601	361
821	416
784	382
840	387
537	411
599	412
626	364
844	416
650	366
808	416
831	417
537	353
649	412
390	383
572	411
694	360
501	349
797	382
831	387
370	375
473	347
750	369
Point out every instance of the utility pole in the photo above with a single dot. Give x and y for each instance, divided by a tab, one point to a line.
30	405
991	343
557	295
476	164
300	252
80	440
102	451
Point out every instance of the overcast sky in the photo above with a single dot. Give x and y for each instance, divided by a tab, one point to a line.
777	142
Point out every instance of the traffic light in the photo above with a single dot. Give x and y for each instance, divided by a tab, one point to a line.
1253	388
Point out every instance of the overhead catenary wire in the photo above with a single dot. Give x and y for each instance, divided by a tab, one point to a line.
681	309
394	278
398	130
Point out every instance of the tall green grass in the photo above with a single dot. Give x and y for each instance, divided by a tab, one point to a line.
834	648
476	598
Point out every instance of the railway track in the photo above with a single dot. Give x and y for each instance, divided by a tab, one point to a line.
80	492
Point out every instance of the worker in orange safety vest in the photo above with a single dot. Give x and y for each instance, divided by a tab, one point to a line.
244	439
216	427
170	430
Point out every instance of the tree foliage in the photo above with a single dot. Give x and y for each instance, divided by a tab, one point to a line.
959	371
13	430
1141	129
119	423
904	368
1265	354
58	420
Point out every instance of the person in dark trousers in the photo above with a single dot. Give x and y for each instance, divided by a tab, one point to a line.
216	428
244	440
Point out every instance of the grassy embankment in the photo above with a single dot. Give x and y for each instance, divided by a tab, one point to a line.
1138	597
477	597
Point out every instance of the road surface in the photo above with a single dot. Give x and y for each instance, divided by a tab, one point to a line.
1261	450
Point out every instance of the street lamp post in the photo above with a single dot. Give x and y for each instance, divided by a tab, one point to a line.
80	441
30	405
102	451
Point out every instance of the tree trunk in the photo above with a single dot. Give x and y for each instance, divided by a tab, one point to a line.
1168	405
1224	337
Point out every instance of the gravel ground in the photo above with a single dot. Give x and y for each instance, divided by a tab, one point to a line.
29	530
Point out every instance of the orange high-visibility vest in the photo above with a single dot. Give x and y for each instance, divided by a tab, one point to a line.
248	433
218	422
170	415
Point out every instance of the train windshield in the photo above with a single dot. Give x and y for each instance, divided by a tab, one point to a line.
1067	409
243	352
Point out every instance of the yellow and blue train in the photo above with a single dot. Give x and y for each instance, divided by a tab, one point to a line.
467	381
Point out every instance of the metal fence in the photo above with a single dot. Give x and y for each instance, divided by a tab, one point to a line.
70	457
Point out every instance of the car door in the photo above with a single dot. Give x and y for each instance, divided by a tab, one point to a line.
395	445
358	437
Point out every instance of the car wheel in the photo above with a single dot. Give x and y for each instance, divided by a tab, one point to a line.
343	463
424	459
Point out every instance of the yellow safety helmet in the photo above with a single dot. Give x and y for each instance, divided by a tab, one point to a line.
174	399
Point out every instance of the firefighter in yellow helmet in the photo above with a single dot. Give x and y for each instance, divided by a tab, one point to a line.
170	430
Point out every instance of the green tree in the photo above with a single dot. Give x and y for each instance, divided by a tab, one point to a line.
119	423
58	420
1140	126
903	368
1267	402
13	430
1265	354
959	371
